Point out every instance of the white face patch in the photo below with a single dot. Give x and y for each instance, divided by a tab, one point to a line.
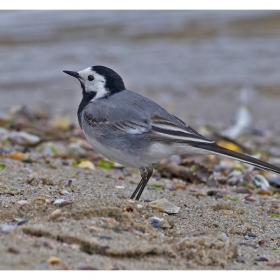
97	85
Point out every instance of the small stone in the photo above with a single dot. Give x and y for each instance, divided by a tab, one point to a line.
23	222
23	202
261	242
7	227
262	259
250	234
105	237
24	138
264	192
243	190
250	198
56	213
156	222
12	250
119	187
246	237
240	260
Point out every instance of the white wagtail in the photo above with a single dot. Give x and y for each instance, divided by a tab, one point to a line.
131	129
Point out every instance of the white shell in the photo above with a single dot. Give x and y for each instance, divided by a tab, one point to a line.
59	201
23	202
23	138
164	206
261	182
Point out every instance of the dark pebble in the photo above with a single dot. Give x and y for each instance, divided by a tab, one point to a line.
251	234
217	194
243	190
147	200
105	237
23	222
12	250
261	242
262	259
86	267
275	181
240	260
156	224
248	245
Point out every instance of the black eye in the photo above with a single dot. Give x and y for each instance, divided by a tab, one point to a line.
90	78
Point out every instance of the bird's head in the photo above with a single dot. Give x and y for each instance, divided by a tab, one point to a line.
98	82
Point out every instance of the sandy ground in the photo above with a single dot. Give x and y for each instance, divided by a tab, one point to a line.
102	229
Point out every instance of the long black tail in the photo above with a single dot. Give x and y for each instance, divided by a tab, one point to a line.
216	149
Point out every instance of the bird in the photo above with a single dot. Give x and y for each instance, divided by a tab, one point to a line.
135	131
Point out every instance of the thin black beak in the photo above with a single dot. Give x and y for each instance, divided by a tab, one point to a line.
72	73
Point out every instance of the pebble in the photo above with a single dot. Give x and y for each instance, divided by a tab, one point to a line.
250	234
250	198
119	187
262	259
156	222
264	192
23	138
7	227
246	237
105	237
56	213
23	202
243	190
23	222
240	260
261	242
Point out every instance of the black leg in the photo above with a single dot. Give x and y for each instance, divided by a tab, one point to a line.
146	173
137	189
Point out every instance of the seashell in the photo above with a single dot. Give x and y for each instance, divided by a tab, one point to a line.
86	164
119	187
264	192
261	182
164	206
53	260
64	192
56	213
23	202
61	202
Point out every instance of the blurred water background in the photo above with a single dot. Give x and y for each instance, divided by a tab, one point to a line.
194	63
